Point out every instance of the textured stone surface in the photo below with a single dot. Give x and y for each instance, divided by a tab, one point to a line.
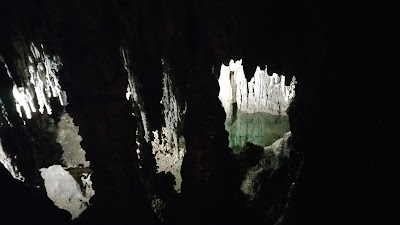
69	139
256	109
65	191
169	145
267	182
9	164
168	159
263	93
272	159
40	82
261	129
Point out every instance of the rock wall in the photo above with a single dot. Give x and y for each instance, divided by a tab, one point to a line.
269	179
274	157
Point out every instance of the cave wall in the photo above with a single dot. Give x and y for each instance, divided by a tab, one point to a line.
342	119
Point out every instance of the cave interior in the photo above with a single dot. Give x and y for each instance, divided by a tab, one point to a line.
135	84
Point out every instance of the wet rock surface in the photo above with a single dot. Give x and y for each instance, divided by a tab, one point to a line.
261	129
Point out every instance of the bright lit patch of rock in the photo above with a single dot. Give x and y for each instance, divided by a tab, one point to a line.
256	109
65	191
40	83
69	139
169	146
264	93
69	186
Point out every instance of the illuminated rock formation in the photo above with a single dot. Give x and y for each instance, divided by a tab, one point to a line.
65	191
255	110
9	164
264	93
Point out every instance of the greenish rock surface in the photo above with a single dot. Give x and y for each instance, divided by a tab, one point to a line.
258	128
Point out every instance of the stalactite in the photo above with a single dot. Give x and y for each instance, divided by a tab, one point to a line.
255	110
132	93
40	82
9	164
4	115
18	151
264	93
169	146
21	101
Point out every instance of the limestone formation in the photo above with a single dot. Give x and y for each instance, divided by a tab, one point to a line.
264	93
9	164
69	139
41	83
267	183
169	145
65	191
255	110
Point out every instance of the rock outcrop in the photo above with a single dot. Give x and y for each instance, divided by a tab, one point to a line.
267	179
65	191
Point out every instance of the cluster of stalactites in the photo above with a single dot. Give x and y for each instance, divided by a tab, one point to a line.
169	146
263	93
135	97
4	115
173	112
40	84
8	162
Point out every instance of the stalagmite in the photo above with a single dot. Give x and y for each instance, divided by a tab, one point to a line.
263	93
255	110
